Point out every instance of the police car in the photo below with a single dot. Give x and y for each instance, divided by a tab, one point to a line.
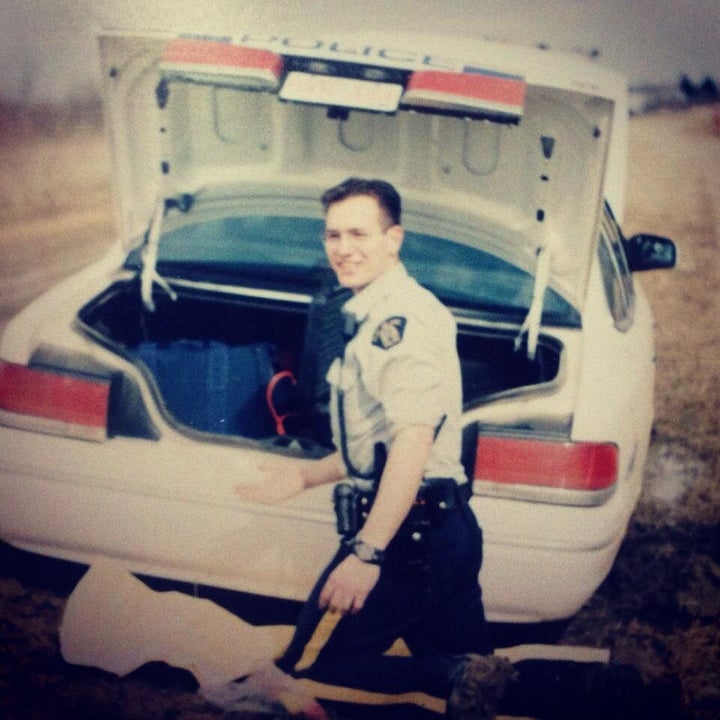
137	394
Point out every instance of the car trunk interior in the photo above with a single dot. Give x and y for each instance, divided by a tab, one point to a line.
220	350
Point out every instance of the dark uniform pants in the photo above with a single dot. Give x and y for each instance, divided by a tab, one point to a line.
432	600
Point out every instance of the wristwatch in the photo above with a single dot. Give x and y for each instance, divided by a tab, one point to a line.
367	553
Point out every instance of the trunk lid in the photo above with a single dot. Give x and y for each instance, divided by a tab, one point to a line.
506	150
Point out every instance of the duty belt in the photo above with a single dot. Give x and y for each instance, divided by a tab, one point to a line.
443	492
436	497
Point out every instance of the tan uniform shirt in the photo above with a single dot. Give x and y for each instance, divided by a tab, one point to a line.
401	368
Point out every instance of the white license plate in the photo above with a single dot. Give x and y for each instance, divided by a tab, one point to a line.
341	92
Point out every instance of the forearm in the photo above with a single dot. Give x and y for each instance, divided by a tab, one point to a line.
399	484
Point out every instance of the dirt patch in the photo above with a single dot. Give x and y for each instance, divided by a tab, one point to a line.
660	605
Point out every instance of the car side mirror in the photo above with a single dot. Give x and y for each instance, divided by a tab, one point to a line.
650	252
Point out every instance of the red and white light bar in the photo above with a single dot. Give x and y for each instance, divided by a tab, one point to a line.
481	92
578	473
472	92
218	62
53	402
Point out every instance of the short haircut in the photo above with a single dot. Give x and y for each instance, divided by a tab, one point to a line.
386	195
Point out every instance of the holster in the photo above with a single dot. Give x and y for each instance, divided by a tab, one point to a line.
352	504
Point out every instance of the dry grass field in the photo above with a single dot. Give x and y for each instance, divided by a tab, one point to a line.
660	606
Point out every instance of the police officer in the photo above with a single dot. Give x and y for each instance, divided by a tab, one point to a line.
411	570
407	567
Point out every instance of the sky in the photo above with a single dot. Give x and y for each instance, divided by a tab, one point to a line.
48	48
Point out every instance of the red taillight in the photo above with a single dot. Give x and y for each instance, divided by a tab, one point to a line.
484	91
195	59
53	402
539	463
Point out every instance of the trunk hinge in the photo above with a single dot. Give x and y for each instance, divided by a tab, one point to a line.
531	324
533	319
149	274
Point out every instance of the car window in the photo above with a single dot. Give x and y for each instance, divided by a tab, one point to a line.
616	276
286	253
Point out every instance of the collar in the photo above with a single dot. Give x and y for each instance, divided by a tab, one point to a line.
360	304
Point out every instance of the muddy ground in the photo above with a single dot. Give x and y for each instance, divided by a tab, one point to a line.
660	605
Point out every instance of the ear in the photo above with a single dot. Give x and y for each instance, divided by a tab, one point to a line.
395	235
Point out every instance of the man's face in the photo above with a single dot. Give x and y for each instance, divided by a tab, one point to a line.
360	243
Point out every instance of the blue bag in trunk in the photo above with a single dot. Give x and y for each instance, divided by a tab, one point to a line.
211	386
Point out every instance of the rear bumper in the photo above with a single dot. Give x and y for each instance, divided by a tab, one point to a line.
528	585
544	562
168	518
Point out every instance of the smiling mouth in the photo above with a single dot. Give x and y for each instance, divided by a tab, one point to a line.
345	269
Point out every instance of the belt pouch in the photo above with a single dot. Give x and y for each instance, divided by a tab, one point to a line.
352	507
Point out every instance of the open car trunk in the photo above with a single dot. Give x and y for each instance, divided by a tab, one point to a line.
210	356
227	146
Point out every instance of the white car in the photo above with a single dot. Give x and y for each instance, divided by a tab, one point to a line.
133	395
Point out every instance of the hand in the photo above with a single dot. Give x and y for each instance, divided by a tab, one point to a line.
281	480
348	586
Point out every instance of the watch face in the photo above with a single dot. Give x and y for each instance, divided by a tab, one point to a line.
364	552
367	553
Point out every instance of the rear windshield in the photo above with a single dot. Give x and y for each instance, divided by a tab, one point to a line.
286	253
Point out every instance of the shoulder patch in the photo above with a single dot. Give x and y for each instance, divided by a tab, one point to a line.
389	332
